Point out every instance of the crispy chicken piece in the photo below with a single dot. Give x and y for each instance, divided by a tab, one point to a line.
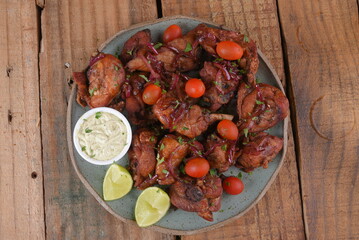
261	107
135	45
105	76
181	54
142	158
170	155
198	195
187	120
259	151
209	37
220	152
221	86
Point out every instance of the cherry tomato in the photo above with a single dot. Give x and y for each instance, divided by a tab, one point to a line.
151	94
172	32
229	50
227	129
195	88
197	167
233	185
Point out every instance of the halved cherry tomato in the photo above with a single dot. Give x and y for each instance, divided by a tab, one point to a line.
195	88
172	32
227	129
197	167
229	50
233	185
151	94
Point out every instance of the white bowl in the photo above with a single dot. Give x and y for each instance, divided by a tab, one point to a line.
90	113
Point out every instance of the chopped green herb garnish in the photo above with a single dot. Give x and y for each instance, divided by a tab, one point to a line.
177	103
162	146
83	148
164	91
242	71
224	147
249	114
250	173
259	102
254	118
116	85
246	39
185	128
216	83
93	155
150	175
160	160
157	83
91	91
267	110
164	171
182	169
258	80
130	52
188	47
244	143
144	77
174	127
180	140
245	131
157	46
221	210
87	130
239	175
152	138
98	115
218	59
213	172
116	68
247	86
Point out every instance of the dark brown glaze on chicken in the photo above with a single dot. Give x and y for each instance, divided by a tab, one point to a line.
259	151
171	152
180	55
209	37
190	121
221	87
142	158
105	77
220	152
135	45
261	107
198	195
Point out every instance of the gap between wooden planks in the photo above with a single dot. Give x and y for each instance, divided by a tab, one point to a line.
279	214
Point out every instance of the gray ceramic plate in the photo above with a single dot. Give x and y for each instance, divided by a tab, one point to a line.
177	221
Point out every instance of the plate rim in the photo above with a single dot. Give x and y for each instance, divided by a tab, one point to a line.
158	228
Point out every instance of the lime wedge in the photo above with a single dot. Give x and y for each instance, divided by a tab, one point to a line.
117	182
152	204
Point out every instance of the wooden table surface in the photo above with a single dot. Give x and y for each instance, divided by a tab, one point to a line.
312	44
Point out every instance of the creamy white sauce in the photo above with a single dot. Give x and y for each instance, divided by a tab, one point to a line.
102	136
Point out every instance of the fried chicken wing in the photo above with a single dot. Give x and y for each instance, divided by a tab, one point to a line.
142	158
220	152
105	77
261	107
187	120
209	37
259	151
170	154
198	195
221	85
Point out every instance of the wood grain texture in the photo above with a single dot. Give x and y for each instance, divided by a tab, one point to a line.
71	31
21	188
279	214
322	39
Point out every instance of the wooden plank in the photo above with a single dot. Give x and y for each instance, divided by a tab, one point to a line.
322	39
279	214
21	188
71	31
